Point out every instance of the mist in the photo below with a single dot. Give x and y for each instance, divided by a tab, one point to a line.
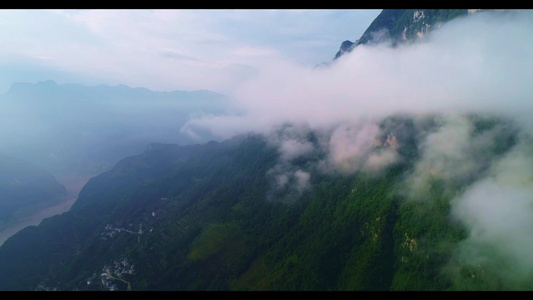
475	64
472	65
470	70
73	129
497	210
73	132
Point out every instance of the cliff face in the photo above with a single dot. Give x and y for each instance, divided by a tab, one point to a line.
402	25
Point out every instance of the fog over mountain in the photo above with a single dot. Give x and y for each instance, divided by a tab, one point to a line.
396	166
477	65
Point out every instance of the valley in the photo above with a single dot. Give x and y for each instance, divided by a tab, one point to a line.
73	184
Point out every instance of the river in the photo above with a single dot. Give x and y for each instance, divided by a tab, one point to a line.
73	184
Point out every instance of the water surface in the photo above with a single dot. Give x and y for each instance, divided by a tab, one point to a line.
73	184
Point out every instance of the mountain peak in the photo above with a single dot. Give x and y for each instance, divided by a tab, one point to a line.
403	25
346	46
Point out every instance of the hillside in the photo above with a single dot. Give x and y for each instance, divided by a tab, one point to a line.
212	217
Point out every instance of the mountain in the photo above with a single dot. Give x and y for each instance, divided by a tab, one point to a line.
212	217
123	198
432	202
403	25
25	188
86	129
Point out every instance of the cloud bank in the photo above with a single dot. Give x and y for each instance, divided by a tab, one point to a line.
474	66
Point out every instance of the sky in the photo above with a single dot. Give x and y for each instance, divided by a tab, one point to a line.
168	49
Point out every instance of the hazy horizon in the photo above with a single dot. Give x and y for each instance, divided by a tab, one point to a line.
168	49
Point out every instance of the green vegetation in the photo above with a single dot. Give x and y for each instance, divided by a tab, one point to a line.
209	217
207	224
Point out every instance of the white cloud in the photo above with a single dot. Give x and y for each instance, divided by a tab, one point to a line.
379	160
459	68
498	211
294	148
302	180
350	145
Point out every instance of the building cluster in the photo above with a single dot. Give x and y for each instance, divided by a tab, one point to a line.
111	231
113	272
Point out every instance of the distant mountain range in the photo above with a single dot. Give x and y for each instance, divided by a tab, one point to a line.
86	129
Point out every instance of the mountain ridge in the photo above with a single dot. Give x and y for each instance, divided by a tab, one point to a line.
403	25
24	86
88	128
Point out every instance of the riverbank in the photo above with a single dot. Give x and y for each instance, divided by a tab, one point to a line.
73	184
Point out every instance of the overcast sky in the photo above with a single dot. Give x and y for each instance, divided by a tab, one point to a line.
169	49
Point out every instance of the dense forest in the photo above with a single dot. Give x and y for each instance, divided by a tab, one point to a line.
213	218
